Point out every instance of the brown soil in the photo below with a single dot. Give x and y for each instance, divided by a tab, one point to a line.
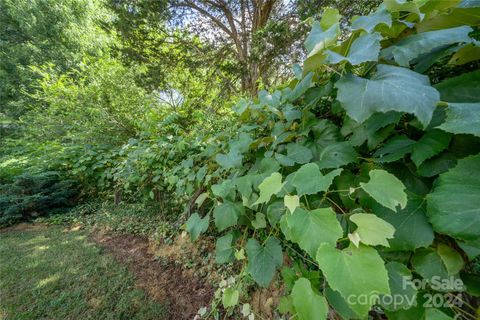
166	282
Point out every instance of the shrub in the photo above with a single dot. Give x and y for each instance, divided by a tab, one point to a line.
33	195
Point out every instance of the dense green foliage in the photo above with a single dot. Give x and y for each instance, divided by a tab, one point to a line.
37	32
360	168
35	195
358	174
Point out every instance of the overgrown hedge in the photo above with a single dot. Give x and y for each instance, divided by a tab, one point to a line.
361	170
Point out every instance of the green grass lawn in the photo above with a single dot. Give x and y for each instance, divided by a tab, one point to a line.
51	274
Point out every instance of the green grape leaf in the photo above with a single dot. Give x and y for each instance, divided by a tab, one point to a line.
298	153
264	260
301	87
227	214
309	229
230	160
412	229
196	225
394	149
275	211
402	291
259	222
309	180
284	160
338	303
308	304
430	144
413	46
230	297
386	189
370	22
452	260
244	185
403	5
242	143
363	49
201	199
437	165
291	202
390	89
318	39
269	187
359	274
462	118
468	53
453	207
223	249
461	89
372	230
465	14
223	189
428	264
330	17
337	155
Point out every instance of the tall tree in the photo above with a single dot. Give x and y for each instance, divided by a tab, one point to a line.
39	32
259	32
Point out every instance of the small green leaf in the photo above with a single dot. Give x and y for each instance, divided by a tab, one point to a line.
428	264
275	211
363	49
309	180
308	304
309	229
223	189
246	309
430	144
259	222
240	254
230	297
372	230
337	155
230	160
452	260
394	149
196	225
291	202
330	17
227	214
370	22
201	198
224	249
462	118
269	187
264	260
460	89
298	153
318	39
386	189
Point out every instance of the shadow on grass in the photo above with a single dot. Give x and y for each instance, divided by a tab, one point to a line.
51	274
